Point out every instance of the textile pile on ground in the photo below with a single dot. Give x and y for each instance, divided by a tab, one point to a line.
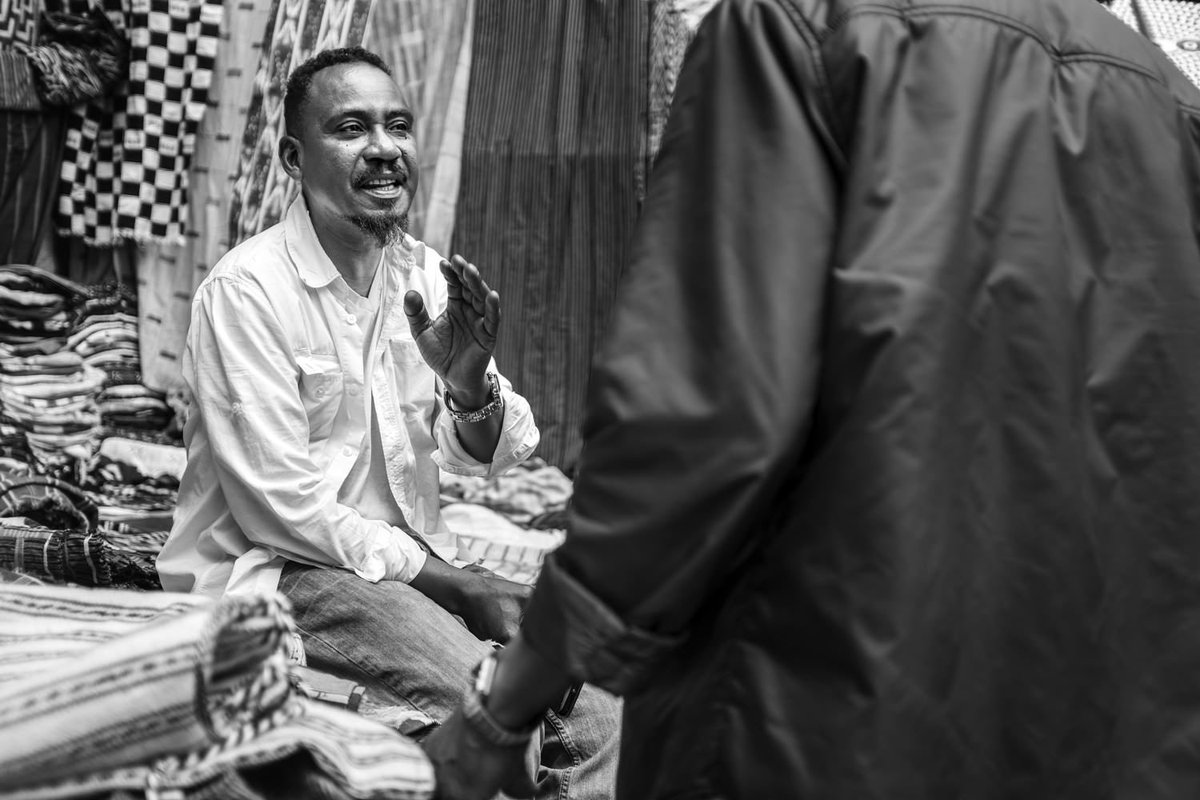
511	521
119	694
69	371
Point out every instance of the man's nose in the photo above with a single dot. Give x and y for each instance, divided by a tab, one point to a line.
382	144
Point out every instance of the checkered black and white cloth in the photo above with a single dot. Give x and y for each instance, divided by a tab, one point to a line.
125	169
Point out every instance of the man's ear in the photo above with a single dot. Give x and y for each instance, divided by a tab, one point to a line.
289	156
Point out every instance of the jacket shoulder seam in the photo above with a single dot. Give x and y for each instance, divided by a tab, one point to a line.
880	9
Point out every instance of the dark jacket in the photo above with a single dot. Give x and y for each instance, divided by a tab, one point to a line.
891	476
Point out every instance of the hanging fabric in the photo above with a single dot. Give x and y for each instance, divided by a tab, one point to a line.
553	152
125	171
168	274
30	139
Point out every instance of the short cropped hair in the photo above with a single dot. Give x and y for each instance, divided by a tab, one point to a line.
296	94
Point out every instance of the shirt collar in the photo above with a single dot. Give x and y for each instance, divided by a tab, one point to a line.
313	264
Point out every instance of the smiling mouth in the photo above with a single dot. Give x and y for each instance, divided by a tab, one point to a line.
385	187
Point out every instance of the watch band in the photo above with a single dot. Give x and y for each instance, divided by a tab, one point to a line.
488	729
477	716
495	403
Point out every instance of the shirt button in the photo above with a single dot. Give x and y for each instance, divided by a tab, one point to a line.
351	319
347	450
352	391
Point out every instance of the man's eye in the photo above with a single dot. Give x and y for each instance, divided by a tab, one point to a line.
400	126
352	127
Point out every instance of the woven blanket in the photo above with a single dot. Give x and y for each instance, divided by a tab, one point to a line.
56	555
161	693
48	501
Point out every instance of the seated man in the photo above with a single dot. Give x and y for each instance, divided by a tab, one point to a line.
325	398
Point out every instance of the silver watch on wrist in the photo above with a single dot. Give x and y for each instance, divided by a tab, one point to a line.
494	404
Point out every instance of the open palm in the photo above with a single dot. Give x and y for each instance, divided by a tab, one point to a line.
459	343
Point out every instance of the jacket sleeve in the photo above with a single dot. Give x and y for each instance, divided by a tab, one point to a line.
245	383
701	398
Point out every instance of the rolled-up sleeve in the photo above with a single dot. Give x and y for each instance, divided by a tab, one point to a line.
701	398
519	437
245	382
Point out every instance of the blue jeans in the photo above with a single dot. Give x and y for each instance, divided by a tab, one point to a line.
409	651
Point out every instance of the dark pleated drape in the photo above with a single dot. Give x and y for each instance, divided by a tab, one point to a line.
31	147
554	157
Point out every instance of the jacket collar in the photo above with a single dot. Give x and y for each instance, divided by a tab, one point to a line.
314	265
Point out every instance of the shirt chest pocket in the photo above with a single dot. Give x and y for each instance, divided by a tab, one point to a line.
321	383
414	379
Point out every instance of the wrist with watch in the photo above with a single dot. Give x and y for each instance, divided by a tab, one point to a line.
478	717
494	404
481	720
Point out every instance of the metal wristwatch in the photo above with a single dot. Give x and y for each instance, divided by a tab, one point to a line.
494	404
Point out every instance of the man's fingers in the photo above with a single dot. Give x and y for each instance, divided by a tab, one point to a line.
466	275
414	309
454	287
491	314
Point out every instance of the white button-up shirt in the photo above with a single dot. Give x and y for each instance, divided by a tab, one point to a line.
282	386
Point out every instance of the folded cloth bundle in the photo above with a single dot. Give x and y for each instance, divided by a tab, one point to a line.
47	501
60	555
161	693
36	303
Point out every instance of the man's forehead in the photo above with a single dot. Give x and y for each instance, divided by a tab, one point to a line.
347	87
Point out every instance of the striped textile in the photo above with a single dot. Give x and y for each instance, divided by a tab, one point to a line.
57	555
158	692
553	161
31	149
47	500
18	89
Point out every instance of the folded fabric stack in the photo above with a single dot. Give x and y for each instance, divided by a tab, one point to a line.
116	694
47	396
47	501
527	493
51	398
48	529
509	522
37	307
106	337
121	485
15	455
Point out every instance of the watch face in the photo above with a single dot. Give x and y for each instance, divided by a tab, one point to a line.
485	673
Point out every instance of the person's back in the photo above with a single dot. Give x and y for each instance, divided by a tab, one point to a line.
898	420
